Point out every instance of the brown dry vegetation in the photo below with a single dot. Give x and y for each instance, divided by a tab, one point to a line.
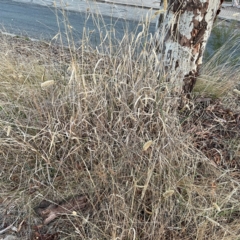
86	135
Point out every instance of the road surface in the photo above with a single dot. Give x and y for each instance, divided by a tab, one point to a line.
45	22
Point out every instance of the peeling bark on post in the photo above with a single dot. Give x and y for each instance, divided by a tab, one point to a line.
181	35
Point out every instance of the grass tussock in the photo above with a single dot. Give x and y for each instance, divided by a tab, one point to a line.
79	122
220	74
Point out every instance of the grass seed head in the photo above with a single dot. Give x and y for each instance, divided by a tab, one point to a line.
45	85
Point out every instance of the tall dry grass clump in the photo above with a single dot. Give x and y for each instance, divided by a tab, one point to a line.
101	125
220	73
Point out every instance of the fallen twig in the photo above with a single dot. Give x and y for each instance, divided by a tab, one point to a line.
49	211
7	228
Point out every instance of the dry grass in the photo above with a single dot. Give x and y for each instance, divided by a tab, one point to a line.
85	132
220	74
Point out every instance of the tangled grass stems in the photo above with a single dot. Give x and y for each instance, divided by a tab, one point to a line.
86	133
